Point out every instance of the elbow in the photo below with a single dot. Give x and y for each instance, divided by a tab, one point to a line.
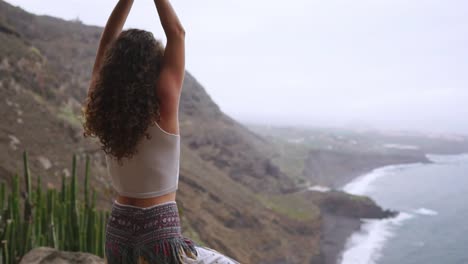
177	32
182	31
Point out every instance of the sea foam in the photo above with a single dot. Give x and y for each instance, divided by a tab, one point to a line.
365	246
448	159
425	211
363	184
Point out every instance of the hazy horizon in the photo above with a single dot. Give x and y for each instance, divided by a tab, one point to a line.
395	65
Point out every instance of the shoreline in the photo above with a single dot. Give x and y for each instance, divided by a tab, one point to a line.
338	231
361	186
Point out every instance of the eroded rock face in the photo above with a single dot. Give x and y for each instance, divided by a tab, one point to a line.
352	206
45	255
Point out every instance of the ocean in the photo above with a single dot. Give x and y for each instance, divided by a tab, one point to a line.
432	227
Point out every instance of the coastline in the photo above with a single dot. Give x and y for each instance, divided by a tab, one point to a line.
365	244
338	229
371	233
361	185
341	215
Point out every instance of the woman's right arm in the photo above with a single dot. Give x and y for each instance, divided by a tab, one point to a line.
173	70
174	56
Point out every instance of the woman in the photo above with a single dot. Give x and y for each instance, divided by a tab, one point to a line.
132	107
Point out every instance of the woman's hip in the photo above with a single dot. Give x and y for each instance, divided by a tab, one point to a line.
151	233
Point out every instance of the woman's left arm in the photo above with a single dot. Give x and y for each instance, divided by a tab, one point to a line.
112	30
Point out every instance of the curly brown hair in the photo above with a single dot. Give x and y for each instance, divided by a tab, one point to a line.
123	102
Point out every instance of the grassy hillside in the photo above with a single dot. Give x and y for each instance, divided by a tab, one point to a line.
232	195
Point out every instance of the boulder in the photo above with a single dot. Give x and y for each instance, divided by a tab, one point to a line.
44	255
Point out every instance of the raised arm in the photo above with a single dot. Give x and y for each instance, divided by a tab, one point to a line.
112	30
172	74
174	56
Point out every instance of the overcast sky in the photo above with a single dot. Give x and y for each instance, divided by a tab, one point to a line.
389	64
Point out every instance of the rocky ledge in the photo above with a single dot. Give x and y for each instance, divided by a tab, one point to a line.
44	255
341	217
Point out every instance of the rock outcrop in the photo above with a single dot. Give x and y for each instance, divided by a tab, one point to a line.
44	255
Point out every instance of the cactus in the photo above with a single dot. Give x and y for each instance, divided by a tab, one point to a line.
75	229
5	252
25	240
2	196
53	218
86	190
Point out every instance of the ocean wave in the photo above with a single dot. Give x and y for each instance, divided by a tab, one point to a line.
401	146
444	159
319	188
363	184
425	211
365	246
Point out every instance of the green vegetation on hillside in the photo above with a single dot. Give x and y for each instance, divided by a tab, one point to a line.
52	218
293	206
66	113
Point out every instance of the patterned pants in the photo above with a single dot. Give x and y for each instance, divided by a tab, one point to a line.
152	235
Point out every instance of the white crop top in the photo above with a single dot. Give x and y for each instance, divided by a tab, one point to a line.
152	171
